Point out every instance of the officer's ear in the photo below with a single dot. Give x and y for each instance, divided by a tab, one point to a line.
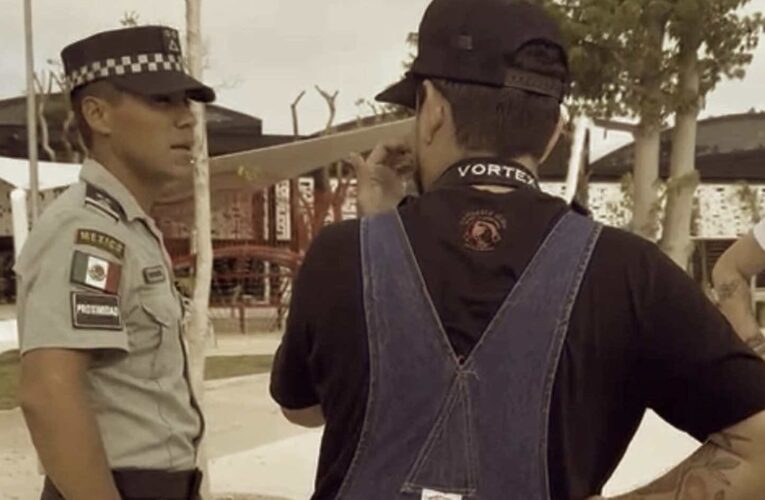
96	113
97	103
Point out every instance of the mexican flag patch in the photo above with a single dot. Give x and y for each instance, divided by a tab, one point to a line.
95	272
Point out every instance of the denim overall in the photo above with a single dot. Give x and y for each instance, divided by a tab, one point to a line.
438	427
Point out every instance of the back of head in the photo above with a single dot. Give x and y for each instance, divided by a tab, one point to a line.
506	121
502	67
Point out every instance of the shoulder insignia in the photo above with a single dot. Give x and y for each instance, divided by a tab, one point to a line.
104	202
94	272
102	241
96	312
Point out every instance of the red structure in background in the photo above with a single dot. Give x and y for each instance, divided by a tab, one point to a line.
259	239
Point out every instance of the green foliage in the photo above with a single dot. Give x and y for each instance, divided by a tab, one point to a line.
622	209
219	367
625	54
618	59
130	19
749	200
690	180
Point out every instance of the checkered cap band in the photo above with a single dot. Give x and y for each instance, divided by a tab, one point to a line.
126	65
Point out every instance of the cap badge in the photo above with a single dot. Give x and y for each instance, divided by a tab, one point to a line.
172	44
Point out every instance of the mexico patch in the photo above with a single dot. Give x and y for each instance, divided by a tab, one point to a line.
101	241
95	272
96	312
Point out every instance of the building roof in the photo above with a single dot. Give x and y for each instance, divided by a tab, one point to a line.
228	131
555	168
15	172
728	149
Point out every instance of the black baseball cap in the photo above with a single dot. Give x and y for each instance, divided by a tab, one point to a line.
469	41
145	60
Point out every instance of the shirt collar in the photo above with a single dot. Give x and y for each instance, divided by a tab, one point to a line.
97	175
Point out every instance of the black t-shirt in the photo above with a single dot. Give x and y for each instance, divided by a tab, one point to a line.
642	334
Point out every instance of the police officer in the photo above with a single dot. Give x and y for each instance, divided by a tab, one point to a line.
486	340
104	386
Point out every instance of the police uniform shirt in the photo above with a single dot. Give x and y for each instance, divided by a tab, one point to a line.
641	333
94	275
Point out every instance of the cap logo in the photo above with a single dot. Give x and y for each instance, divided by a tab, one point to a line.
172	44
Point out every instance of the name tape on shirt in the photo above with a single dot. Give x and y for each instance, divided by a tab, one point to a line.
102	241
154	275
92	311
437	495
95	272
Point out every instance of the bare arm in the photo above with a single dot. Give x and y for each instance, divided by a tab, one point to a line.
308	417
727	467
63	427
731	276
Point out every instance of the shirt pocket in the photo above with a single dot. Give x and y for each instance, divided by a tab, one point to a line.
155	332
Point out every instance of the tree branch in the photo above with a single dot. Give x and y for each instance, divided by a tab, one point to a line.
43	95
331	100
293	107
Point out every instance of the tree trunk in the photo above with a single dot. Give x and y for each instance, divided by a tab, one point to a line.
676	237
196	334
645	176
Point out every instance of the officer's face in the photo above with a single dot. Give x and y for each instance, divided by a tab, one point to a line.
154	136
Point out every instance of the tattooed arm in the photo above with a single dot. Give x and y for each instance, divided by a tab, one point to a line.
731	275
729	466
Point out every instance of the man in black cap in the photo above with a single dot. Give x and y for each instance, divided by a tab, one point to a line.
104	386
486	340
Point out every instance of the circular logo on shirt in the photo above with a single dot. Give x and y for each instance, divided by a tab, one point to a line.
482	230
97	273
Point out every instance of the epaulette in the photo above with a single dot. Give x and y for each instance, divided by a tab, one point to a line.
103	202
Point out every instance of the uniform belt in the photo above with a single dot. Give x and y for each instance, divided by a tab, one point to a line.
145	484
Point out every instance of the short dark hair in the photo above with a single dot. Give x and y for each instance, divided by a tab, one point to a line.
505	121
101	89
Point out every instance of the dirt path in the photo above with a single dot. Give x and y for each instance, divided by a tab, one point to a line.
240	416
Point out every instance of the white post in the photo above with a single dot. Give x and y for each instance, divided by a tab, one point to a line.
20	219
31	112
198	330
582	124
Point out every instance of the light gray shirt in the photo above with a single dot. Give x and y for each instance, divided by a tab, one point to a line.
94	275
